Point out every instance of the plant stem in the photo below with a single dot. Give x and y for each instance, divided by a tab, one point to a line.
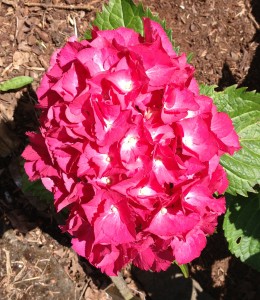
58	6
122	286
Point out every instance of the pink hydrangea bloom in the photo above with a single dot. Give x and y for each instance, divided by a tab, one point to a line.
128	144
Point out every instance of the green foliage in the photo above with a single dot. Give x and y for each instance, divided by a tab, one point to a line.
241	223
184	269
124	13
15	83
243	168
242	229
36	189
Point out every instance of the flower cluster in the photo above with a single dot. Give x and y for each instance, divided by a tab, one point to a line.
128	144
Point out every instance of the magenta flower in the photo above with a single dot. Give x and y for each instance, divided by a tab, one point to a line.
128	144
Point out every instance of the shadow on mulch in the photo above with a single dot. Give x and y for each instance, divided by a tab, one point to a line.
168	285
26	212
238	282
252	79
227	78
256	9
163	285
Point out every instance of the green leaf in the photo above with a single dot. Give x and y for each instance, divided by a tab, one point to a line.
15	83
120	13
242	229
36	189
189	57
44	199
243	168
124	13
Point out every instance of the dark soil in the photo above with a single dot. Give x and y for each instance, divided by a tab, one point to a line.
36	261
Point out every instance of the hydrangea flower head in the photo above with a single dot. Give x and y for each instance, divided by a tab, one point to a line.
128	144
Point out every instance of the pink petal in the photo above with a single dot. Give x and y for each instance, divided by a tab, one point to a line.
198	139
111	228
189	248
152	30
169	223
222	126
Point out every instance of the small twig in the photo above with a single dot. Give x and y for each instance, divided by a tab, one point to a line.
70	7
75	27
251	17
138	292
84	290
27	279
21	274
72	22
34	68
16	30
45	268
7	69
8	264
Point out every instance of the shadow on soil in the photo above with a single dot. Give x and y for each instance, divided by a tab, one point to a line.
169	285
227	78
25	212
239	279
252	79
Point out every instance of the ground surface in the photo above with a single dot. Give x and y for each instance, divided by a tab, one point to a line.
35	259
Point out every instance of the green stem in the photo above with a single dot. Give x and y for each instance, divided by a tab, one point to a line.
184	268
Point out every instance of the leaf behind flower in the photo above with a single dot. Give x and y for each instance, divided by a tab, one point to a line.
15	83
124	13
242	229
243	107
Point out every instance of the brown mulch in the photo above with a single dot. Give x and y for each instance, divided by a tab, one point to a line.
35	259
